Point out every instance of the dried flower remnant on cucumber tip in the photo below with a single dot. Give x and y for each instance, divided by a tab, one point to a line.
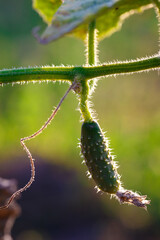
102	167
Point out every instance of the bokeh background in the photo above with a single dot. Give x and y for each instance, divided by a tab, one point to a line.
62	203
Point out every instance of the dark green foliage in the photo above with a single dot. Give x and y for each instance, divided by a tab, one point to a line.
98	159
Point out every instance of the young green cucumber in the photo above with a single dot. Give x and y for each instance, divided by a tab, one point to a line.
98	159
101	166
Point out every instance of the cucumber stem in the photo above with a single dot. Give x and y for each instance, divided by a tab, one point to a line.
84	103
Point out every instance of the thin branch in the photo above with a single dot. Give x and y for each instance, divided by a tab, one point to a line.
29	153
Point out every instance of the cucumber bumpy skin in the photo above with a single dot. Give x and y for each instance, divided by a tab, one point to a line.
101	166
97	158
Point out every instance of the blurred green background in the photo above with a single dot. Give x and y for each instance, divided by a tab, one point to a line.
127	108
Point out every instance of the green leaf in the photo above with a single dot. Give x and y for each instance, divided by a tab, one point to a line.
46	8
73	17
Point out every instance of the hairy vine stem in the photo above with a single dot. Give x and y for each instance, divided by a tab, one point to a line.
91	60
22	75
127	67
91	50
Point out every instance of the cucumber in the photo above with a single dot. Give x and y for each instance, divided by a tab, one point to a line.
98	159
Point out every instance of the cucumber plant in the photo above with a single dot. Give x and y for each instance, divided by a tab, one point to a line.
91	21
